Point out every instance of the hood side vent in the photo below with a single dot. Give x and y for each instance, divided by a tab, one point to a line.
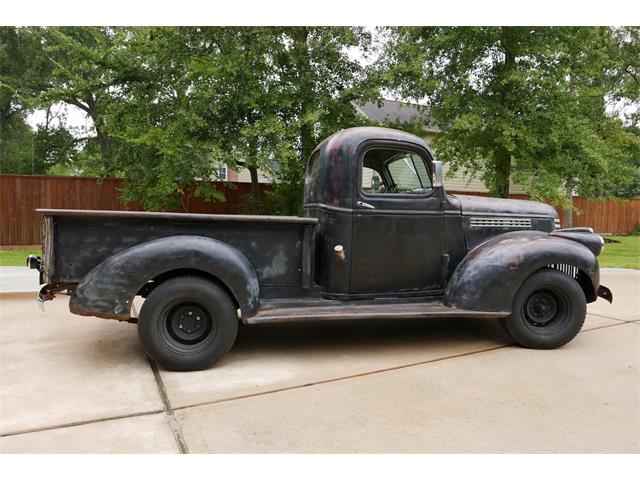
499	222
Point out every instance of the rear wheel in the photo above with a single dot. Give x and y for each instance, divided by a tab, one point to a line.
187	323
548	311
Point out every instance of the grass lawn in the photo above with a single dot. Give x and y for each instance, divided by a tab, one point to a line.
17	258
625	254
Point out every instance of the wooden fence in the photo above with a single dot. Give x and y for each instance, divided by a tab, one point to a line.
20	195
604	216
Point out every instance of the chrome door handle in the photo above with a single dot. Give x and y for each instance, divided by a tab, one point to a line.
364	205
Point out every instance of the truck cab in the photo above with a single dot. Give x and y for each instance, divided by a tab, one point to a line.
380	238
379	198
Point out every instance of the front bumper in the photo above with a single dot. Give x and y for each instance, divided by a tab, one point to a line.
604	292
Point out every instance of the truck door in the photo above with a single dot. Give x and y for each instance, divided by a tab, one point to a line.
398	223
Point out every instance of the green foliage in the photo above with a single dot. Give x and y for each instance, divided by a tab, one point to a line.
91	67
16	147
254	97
171	105
313	84
623	70
239	97
521	101
21	71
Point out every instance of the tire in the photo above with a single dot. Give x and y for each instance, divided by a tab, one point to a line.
548	311
187	323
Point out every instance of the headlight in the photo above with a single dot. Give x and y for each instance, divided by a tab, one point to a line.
556	223
602	244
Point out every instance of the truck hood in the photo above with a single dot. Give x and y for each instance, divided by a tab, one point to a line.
472	205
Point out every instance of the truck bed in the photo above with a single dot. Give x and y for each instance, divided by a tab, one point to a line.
76	241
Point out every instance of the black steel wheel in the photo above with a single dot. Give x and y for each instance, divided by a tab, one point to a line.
548	310
186	326
187	323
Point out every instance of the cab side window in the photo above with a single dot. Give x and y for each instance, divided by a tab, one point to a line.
388	171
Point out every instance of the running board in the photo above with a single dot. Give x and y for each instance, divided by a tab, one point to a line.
413	310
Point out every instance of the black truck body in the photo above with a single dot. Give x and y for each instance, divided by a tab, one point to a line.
380	238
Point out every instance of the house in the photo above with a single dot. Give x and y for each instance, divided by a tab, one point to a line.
227	174
393	113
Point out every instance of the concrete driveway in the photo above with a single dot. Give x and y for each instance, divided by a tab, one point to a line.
76	384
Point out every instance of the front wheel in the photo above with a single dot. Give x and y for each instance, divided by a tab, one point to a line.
187	323
548	311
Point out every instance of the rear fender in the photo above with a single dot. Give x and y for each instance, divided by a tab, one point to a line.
108	290
489	277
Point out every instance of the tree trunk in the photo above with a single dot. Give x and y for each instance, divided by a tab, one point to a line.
5	113
504	157
503	172
307	143
567	214
104	142
253	171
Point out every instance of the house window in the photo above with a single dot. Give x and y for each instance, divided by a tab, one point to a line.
222	174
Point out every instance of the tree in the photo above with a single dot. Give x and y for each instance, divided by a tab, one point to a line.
16	147
203	97
89	66
159	144
21	70
623	51
259	97
521	102
322	84
170	105
240	97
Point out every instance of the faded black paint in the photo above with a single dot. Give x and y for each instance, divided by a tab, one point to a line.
83	242
108	289
407	248
491	274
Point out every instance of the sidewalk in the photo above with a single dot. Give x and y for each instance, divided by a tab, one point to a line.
18	280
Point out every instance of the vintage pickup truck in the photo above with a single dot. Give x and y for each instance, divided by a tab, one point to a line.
380	239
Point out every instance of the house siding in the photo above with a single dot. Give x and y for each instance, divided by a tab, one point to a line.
243	176
460	182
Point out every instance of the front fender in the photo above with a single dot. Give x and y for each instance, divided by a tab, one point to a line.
489	277
108	290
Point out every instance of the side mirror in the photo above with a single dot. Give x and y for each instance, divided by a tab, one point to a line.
438	173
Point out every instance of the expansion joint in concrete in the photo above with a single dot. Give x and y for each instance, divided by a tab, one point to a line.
173	422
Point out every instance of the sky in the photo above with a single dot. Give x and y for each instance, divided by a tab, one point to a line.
76	119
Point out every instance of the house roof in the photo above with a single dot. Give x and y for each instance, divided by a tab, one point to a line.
402	112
